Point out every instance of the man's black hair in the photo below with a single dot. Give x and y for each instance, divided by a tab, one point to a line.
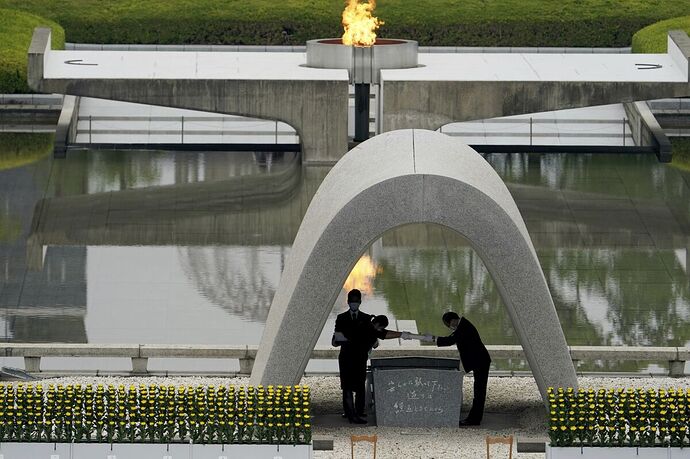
448	316
354	296
380	320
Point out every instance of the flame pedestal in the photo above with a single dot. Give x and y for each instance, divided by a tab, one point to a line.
363	64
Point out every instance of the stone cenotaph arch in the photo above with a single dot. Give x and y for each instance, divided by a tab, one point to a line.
394	179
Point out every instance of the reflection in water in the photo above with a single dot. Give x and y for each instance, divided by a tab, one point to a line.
611	232
362	276
241	280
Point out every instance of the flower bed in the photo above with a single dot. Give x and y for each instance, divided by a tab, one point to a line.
155	414
635	418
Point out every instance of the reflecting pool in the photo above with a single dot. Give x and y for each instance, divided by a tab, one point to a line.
159	247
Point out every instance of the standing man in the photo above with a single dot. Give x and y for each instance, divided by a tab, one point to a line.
355	334
474	358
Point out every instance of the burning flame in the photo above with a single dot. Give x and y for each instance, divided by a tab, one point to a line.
360	26
362	276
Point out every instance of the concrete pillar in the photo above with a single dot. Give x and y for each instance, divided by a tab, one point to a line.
140	365
246	365
361	112
32	364
676	368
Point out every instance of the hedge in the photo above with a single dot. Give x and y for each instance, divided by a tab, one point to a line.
16	29
653	38
619	417
155	414
609	23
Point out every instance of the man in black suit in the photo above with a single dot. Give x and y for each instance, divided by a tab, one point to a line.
474	358
355	334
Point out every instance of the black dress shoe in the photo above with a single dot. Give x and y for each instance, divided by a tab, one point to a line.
357	420
467	423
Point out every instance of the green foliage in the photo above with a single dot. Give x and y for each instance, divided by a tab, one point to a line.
155	414
653	38
619	417
17	150
432	22
16	28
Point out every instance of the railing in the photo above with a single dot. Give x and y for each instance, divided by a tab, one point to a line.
140	353
531	125
181	131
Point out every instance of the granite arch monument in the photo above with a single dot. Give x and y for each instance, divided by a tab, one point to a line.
397	178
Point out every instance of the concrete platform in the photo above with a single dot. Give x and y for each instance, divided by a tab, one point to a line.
541	67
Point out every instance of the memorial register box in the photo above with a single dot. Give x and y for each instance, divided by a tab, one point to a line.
415	391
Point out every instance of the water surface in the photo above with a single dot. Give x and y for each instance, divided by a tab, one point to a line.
151	247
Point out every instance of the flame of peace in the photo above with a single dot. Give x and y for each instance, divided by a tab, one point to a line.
359	24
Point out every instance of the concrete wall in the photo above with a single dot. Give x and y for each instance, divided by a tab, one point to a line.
646	130
316	109
432	104
66	128
391	180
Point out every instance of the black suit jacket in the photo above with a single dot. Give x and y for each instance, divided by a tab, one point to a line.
360	334
354	353
473	353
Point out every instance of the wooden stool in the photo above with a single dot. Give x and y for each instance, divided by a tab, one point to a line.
358	438
493	440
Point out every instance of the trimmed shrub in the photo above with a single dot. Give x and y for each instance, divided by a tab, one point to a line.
16	28
653	38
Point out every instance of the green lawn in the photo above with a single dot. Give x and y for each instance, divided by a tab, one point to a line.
15	37
432	22
653	38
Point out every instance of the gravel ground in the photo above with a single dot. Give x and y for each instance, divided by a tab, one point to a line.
509	398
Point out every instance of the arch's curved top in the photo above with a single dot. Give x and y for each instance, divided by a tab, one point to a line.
397	178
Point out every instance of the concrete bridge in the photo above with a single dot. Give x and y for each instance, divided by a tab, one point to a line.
275	85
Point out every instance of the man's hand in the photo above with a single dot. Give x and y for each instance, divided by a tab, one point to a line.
427	338
406	335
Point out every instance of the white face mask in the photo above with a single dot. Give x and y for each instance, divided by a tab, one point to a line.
353	306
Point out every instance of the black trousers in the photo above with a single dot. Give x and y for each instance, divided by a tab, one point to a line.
481	378
353	375
357	399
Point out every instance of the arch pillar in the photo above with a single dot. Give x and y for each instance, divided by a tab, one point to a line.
394	179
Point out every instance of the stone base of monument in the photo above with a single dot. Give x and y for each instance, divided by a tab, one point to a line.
415	392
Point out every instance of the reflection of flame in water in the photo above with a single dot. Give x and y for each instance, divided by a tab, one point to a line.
362	276
360	26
